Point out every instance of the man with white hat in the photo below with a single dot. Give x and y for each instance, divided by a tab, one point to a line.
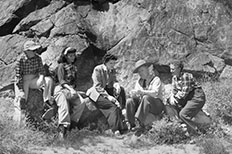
30	72
146	97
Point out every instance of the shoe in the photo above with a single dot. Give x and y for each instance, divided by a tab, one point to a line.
140	131
62	132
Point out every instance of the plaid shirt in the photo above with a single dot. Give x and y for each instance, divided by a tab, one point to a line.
183	85
26	66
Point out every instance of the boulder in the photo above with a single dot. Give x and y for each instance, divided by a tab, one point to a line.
226	73
13	11
38	15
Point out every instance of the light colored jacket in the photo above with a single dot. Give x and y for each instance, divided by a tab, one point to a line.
102	78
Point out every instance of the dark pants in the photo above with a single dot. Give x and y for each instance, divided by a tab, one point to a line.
141	107
121	97
192	104
111	112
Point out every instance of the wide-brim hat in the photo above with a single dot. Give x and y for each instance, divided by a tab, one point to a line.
31	45
69	50
141	63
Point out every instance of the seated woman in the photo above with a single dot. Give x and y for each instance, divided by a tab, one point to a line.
187	95
101	93
30	73
65	93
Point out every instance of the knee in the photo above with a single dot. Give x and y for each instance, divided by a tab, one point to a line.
182	114
146	97
129	102
48	80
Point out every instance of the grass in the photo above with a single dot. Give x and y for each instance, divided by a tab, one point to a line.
15	140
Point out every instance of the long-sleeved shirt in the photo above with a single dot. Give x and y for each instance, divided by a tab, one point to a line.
154	86
67	74
102	78
183	85
26	66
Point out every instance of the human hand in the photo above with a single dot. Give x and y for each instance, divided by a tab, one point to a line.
21	94
135	93
73	92
41	81
172	100
114	100
117	88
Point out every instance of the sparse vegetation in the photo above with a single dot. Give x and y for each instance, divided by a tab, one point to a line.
219	96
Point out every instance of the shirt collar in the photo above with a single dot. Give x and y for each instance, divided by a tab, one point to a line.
104	67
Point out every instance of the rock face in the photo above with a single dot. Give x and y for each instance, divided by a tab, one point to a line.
199	32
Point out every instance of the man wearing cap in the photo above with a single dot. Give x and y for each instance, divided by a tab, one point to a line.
30	73
146	97
104	79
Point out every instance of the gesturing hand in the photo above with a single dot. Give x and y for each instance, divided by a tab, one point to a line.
114	100
172	100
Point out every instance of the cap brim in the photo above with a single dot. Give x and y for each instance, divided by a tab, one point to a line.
146	64
33	48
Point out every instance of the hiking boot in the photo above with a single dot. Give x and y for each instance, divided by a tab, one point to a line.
62	132
140	131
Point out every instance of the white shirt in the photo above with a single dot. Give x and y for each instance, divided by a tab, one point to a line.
154	87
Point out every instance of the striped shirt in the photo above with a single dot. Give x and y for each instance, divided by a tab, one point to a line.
26	66
183	85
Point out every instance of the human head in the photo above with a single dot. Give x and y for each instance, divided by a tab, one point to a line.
176	67
142	68
68	55
109	60
29	47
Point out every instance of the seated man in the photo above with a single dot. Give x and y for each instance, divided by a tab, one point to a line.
146	96
30	73
187	95
104	79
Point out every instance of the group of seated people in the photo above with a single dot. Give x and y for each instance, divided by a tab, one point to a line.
106	93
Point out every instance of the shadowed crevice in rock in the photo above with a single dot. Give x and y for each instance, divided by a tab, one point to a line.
89	58
20	13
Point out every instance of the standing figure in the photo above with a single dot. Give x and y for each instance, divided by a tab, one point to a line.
187	95
30	73
104	81
64	93
146	97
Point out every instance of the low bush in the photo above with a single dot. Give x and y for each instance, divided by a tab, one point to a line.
219	98
167	132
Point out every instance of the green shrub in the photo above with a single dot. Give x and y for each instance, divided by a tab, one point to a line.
212	145
167	132
219	98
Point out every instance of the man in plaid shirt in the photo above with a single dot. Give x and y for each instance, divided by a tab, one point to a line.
30	72
187	95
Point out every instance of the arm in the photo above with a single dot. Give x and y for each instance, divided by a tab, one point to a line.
155	88
61	77
97	81
18	72
187	79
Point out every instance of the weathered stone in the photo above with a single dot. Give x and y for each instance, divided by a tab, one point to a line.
39	15
11	48
66	22
12	11
226	73
205	62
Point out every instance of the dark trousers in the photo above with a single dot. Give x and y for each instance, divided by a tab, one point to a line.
121	97
111	112
192	104
140	107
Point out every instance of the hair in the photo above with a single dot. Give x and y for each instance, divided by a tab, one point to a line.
108	57
177	63
62	58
